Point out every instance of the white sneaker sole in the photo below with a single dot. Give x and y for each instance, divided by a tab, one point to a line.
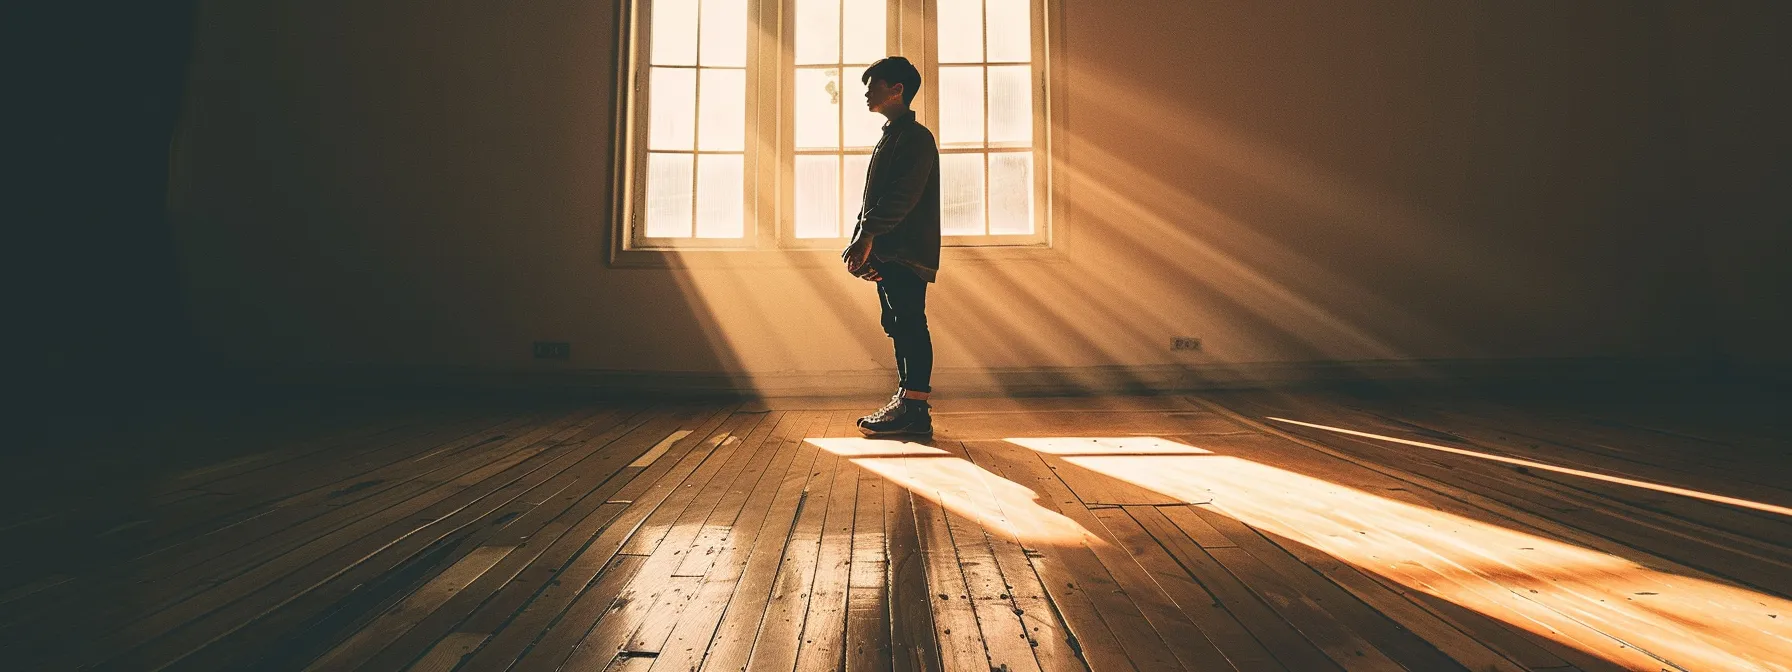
872	434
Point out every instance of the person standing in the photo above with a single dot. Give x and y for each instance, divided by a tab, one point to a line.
896	242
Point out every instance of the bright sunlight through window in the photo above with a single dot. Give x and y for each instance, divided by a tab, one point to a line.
696	130
748	128
986	114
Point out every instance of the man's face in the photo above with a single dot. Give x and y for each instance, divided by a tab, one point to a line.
881	95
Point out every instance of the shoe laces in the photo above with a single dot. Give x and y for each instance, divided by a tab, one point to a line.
889	410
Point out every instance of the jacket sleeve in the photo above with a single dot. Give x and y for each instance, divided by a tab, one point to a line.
912	166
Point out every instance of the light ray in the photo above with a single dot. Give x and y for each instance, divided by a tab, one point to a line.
1632	612
998	504
1658	487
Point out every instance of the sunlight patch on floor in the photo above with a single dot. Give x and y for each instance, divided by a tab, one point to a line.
998	504
1609	478
1638	616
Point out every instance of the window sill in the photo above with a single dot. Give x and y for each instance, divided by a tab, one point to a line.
698	258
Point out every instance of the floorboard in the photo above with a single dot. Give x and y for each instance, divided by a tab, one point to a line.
1245	530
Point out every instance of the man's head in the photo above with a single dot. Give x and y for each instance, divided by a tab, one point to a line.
890	85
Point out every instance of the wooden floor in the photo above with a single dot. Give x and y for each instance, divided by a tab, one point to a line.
1246	530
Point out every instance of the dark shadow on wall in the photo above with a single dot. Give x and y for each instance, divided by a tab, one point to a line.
98	329
97	92
400	197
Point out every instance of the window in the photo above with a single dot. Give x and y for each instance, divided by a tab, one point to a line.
744	126
695	150
987	103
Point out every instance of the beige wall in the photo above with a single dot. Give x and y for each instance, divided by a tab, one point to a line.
409	184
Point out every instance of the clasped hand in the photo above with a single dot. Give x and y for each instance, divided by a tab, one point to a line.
858	260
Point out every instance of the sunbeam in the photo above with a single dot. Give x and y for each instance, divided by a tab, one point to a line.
1644	613
1658	487
998	504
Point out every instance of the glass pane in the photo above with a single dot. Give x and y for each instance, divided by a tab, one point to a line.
853	200
668	195
1010	30
671	108
817	32
863	127
961	105
961	194
865	39
817	196
674	32
724	33
817	108
961	31
722	121
720	189
1010	104
1011	193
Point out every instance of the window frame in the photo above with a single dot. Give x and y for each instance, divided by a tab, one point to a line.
786	147
929	65
769	168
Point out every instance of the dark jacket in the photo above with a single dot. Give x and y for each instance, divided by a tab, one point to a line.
902	198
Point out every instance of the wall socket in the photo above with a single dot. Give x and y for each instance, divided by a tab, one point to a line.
1185	343
553	350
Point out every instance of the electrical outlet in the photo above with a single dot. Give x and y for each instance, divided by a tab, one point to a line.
1185	343
553	350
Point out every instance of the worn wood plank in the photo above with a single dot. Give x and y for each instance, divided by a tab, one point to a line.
719	526
448	653
1005	635
655	593
327	614
1111	630
636	624
1579	587
1044	629
734	640
1762	532
416	544
955	626
1132	528
1461	646
912	647
1188	643
413	608
175	570
379	579
824	626
1362	623
993	426
1288	645
579	509
689	642
868	592
201	620
540	598
1603	524
1095	490
781	630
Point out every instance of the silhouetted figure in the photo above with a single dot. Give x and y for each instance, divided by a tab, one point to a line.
896	242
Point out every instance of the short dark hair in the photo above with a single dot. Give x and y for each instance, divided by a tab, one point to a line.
896	70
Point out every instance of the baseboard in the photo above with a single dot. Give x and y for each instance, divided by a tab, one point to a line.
1040	381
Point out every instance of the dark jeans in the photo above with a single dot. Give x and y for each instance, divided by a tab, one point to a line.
903	296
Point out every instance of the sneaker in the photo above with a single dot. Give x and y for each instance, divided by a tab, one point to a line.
902	417
888	411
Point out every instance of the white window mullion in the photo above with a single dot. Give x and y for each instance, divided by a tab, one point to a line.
988	51
716	122
835	41
988	178
695	148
